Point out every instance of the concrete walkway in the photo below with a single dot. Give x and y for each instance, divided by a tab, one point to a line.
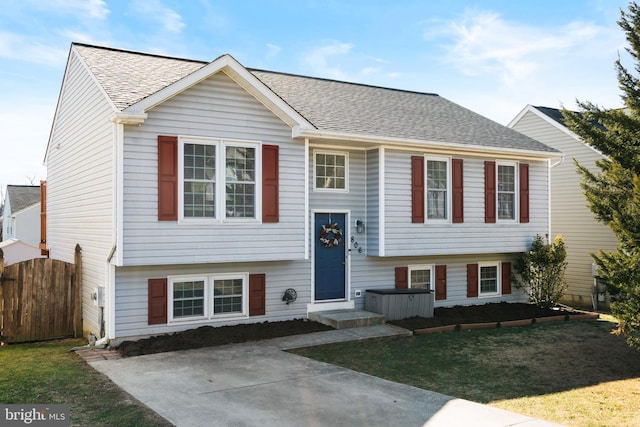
259	384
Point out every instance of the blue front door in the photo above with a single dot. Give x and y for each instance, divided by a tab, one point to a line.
330	250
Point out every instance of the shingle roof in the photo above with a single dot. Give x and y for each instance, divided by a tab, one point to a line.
329	105
22	196
556	115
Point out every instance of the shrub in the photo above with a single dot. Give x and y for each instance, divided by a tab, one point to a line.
541	272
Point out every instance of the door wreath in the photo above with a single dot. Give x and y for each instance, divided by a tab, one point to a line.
330	235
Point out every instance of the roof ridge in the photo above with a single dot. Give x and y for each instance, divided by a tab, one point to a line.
342	82
135	52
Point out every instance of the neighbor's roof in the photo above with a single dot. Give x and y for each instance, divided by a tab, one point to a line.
328	105
556	115
22	196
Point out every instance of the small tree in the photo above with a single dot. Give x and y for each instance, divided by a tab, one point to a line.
541	272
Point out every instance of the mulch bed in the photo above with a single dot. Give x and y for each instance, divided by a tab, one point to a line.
494	312
209	336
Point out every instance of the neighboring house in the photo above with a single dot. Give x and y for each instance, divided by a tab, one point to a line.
15	250
21	216
570	215
201	192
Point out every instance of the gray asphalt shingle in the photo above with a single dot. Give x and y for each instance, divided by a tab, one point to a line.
329	105
22	196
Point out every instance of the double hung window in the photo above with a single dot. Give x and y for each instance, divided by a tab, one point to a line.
420	276
488	279
506	191
220	179
208	297
437	188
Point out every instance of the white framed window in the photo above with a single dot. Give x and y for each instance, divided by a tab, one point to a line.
330	171
219	180
438	188
208	297
421	276
489	279
506	188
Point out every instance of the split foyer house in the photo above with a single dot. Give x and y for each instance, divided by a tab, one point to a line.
200	193
570	215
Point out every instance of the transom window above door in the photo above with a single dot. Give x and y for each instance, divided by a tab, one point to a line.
330	171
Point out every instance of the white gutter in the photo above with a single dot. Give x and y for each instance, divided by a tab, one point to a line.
448	147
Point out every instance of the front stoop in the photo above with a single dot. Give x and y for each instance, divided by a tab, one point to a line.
348	318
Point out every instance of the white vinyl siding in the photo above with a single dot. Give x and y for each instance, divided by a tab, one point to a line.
570	215
80	196
132	297
220	109
402	238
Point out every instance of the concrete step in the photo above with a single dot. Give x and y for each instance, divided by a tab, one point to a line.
348	318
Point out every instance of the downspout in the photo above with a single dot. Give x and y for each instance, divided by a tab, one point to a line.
550	166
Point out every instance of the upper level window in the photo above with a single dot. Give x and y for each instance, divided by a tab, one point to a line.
506	191
330	171
219	179
437	188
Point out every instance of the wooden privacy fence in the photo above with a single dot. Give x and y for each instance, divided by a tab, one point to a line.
40	299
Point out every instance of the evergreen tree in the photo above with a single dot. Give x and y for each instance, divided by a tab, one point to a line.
613	193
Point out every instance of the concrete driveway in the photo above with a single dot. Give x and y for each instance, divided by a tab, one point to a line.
259	384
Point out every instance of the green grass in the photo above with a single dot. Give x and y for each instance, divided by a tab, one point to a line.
47	373
574	373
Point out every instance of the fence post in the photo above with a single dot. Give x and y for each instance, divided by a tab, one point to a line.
1	262
77	293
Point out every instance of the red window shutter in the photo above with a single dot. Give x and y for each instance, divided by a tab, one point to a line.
490	192
402	277
524	192
270	183
457	178
441	282
167	178
157	294
506	278
257	294
417	189
472	280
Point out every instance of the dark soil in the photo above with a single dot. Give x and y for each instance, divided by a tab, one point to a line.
495	312
210	336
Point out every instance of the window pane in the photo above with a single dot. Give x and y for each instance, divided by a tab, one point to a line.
188	299
421	279
330	171
506	192
489	279
227	296
240	186
199	180
437	189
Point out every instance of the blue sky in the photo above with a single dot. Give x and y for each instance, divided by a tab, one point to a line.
493	57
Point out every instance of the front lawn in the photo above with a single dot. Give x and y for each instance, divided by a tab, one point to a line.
574	373
47	373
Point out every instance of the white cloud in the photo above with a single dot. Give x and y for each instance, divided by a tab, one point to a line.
324	59
155	10
482	43
273	50
31	49
96	9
